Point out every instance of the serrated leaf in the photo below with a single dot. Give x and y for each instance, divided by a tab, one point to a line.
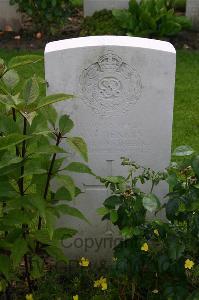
11	79
79	145
19	248
183	151
38	203
151	202
12	140
71	211
56	253
67	182
64	233
65	124
43	236
30	90
22	60
78	167
52	99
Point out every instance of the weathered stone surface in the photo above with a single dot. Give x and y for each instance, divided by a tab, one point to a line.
192	12
124	89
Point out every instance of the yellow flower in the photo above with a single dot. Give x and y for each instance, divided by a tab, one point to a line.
188	264
29	297
84	262
76	297
104	286
155	291
156	232
145	247
101	283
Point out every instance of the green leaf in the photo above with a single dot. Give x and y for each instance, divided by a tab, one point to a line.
127	232
112	201
63	194
2	66
50	222
12	140
113	216
31	90
18	217
52	99
35	171
195	165
22	60
113	179
68	183
38	203
65	124
78	167
56	253
71	211
79	145
151	202
63	233
19	248
37	267
43	236
11	79
175	249
102	211
5	266
183	151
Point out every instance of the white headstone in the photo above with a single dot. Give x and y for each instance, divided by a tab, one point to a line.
192	12
91	6
124	89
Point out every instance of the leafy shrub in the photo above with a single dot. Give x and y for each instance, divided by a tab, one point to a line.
101	23
150	18
179	5
47	16
31	134
158	258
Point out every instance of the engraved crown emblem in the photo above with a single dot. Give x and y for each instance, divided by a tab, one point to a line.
109	61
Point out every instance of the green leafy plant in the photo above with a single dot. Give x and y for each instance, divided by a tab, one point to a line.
101	23
151	18
48	16
156	259
31	156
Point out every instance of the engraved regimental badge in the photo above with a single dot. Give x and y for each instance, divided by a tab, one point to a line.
110	85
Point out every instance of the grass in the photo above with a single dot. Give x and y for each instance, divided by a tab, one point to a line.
186	108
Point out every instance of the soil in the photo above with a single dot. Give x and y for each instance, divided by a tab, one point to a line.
27	40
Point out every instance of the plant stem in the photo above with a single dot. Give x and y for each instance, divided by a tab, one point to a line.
48	182
22	192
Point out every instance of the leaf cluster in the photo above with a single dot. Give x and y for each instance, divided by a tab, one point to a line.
33	143
48	16
151	18
160	266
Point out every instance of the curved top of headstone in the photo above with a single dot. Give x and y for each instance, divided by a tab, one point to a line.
99	41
